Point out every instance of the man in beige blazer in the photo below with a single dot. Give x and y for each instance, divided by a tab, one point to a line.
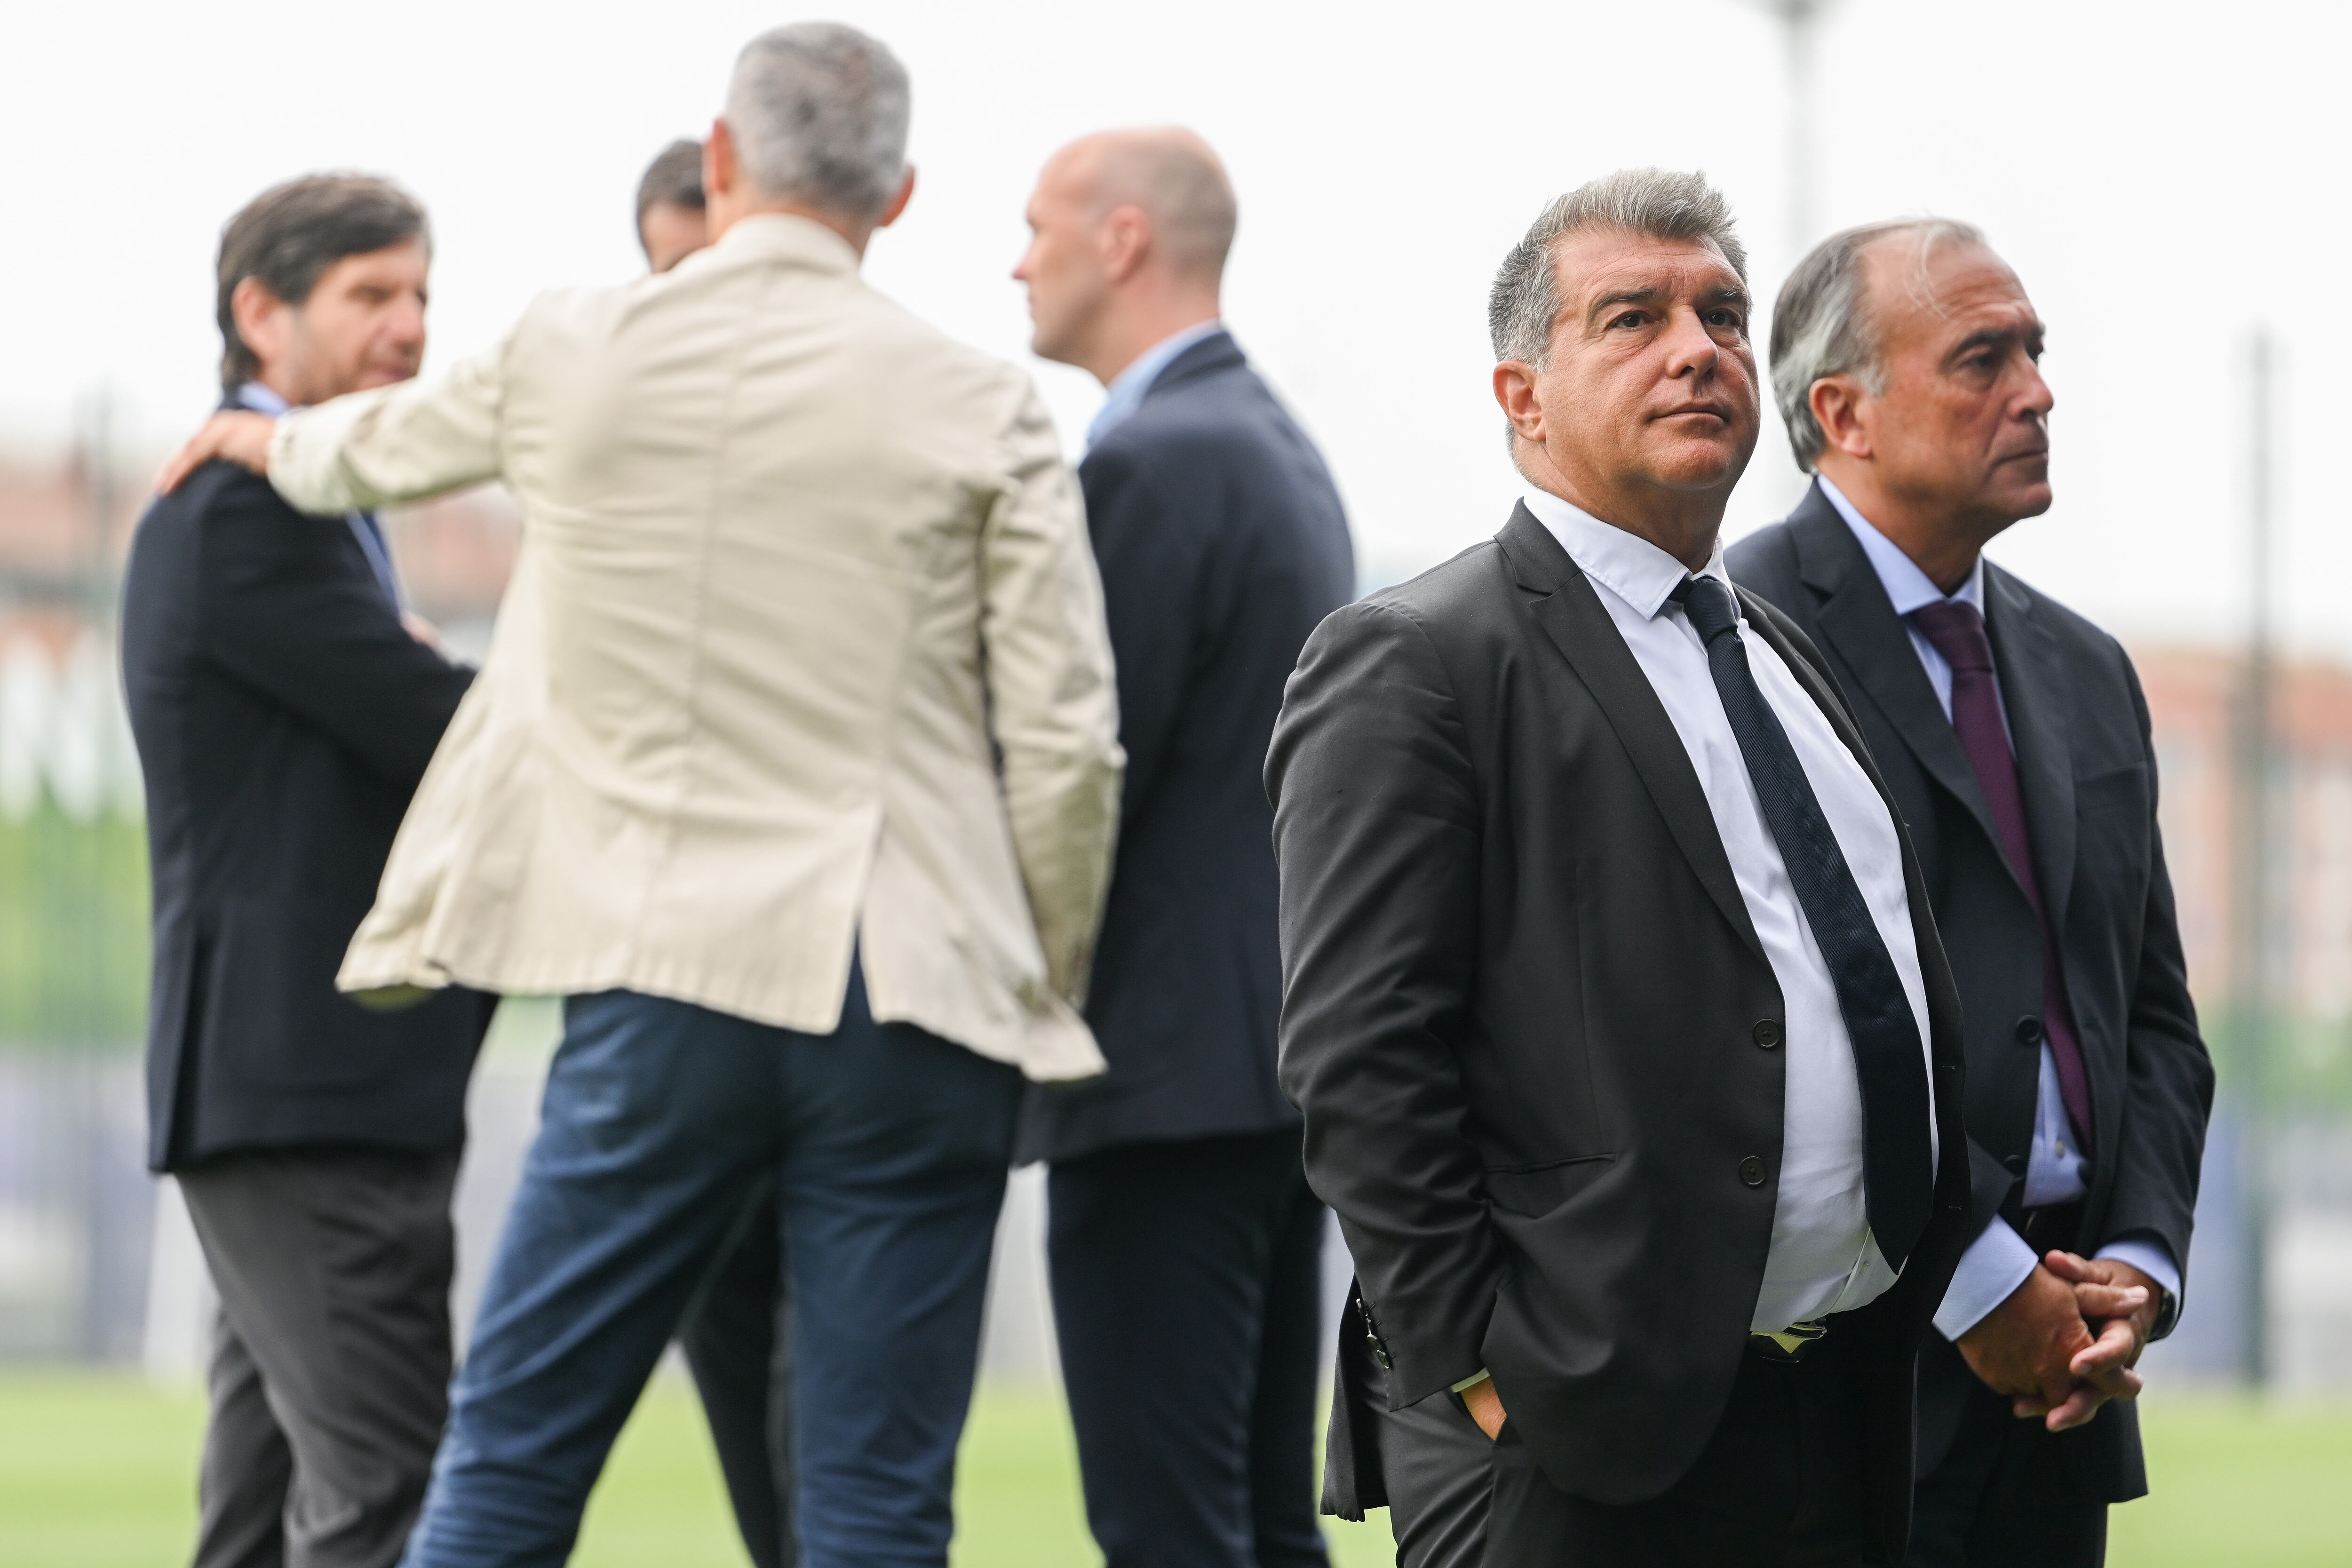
793	765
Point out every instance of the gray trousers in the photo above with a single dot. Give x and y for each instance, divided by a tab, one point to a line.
331	1361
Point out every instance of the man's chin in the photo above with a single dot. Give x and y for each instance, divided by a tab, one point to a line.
1701	466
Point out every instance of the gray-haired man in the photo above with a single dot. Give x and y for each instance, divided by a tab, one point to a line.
2014	736
795	768
1623	1040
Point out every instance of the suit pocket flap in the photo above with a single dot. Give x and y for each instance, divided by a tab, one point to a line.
1539	1189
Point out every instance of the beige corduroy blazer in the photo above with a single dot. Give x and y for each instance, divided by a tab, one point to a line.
804	653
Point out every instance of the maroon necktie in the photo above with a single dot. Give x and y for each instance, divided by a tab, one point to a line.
1958	633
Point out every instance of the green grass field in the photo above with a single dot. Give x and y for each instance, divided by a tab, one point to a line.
98	1472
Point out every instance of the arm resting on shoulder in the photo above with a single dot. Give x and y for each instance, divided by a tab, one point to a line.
1053	703
1377	833
391	444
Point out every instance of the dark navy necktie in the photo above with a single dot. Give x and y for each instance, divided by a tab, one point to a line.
1958	632
1897	1172
370	533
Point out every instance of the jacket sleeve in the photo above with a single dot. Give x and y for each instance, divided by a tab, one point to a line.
1052	705
286	613
1377	831
391	444
2168	1078
1151	584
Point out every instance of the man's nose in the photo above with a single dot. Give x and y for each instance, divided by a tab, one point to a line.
407	324
2036	400
1691	348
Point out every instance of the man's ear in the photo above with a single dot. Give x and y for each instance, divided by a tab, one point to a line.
898	203
720	172
1126	242
1515	390
1837	404
263	319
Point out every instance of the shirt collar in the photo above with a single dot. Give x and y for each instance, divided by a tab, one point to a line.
1900	575
787	236
261	399
1127	390
1628	565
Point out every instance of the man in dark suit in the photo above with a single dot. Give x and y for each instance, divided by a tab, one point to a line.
2015	740
1629	1058
1184	1241
284	714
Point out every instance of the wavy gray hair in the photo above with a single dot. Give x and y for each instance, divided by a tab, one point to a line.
1661	203
1821	324
819	114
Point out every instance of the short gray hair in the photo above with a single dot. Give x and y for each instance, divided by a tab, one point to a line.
1661	203
819	115
1822	325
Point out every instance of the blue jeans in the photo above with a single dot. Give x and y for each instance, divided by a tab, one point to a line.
889	1146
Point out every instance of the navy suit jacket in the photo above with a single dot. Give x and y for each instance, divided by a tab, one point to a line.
1221	544
283	719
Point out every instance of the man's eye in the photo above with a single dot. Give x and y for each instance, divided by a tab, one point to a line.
1725	318
1630	319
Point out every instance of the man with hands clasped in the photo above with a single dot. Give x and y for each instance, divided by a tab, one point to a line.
2014	737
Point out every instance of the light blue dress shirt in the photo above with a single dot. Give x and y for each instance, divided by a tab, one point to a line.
1126	392
1998	1261
363	525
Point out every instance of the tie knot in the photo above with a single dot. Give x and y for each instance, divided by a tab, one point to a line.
1709	604
1958	633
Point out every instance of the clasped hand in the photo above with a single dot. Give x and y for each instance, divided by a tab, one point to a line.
2065	1340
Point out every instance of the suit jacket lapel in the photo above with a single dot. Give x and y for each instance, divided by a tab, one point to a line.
1572	617
1858	619
2025	657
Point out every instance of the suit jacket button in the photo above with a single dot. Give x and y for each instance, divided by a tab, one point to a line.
2028	1030
1751	1171
2015	1165
1767	1033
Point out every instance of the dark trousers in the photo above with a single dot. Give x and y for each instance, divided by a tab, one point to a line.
1780	1483
1187	1279
330	1359
738	1339
888	1148
2002	1495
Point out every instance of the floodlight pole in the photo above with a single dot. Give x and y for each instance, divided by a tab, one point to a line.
1800	36
2254	967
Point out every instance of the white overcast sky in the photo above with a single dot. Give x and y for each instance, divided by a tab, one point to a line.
2162	176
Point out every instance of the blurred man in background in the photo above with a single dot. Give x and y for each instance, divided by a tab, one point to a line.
2014	737
284	716
673	222
1185	1245
794	766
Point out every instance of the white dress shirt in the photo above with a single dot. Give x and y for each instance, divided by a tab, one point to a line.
1823	1258
1998	1261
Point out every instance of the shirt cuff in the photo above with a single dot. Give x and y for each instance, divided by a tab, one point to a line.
2153	1258
1475	1378
1996	1263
